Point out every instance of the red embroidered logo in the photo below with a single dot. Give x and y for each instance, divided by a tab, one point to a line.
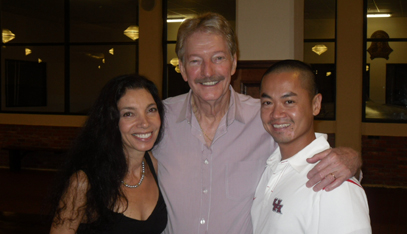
277	205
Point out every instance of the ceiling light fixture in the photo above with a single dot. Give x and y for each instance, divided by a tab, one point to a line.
378	15
175	63
27	51
319	49
175	20
132	32
7	35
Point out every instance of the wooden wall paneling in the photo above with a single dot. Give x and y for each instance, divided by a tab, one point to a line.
248	75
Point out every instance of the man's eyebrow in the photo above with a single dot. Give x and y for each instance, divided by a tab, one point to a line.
287	95
264	95
290	94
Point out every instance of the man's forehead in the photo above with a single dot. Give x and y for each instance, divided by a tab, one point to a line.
282	81
202	37
280	78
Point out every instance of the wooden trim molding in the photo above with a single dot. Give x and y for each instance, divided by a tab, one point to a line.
248	75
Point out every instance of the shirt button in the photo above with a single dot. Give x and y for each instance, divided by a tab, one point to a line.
206	161
202	221
205	191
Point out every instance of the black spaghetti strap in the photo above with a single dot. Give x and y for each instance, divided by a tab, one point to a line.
150	165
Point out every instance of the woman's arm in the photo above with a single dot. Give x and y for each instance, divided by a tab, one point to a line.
73	204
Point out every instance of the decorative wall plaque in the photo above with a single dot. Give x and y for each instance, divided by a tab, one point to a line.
379	49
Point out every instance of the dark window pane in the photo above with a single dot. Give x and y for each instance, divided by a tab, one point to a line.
53	57
325	75
102	21
25	83
39	21
92	67
97	49
319	19
321	55
385	85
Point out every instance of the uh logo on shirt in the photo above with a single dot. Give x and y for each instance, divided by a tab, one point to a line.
277	205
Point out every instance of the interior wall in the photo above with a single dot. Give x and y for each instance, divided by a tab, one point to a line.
349	74
269	29
150	44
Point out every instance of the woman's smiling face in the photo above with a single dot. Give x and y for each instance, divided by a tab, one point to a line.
139	122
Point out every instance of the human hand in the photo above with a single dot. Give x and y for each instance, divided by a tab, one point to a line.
336	166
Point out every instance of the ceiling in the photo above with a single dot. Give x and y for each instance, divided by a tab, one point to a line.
104	11
398	8
185	8
314	9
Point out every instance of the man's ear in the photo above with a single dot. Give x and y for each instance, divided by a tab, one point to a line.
182	70
316	104
234	64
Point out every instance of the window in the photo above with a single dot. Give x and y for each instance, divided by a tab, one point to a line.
319	50
79	46
385	80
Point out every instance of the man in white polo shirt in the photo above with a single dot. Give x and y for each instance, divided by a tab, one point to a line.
282	202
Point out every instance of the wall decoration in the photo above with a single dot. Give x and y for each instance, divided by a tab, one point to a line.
380	49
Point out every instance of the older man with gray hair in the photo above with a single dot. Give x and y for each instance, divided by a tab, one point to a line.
215	148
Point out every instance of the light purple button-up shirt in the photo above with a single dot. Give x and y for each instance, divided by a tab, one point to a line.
211	190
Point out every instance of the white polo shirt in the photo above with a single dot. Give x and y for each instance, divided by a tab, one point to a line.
283	204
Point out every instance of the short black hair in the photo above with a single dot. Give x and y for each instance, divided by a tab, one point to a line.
291	65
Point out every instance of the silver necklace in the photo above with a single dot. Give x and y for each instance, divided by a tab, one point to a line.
141	179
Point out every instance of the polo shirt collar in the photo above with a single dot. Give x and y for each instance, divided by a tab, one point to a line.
299	162
234	112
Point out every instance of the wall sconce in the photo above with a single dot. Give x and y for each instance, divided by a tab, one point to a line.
175	63
132	32
7	35
319	49
111	51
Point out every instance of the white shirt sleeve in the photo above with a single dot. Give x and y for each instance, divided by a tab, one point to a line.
345	210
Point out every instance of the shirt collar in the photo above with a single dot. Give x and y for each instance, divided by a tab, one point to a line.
298	161
233	113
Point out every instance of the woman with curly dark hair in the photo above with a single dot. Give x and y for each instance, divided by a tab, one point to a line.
109	184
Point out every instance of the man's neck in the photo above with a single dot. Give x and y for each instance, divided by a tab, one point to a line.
210	109
209	114
290	149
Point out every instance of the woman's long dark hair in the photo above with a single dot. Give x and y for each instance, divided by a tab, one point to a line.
98	151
